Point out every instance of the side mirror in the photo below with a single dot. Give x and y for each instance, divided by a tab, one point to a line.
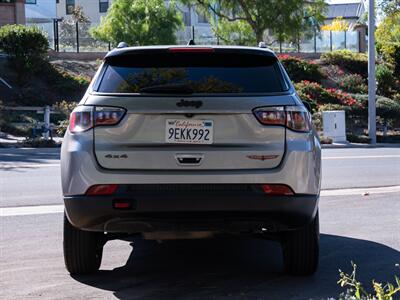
307	105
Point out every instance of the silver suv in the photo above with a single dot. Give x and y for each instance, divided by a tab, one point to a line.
190	142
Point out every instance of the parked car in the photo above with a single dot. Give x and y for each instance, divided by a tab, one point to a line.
188	142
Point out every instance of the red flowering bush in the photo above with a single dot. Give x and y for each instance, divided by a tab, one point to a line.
300	69
353	83
317	95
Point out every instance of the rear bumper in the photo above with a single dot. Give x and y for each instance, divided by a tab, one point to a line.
230	208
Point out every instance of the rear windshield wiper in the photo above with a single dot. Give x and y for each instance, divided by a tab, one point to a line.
168	89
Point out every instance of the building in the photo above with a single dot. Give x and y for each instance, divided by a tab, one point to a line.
94	9
350	12
41	13
12	12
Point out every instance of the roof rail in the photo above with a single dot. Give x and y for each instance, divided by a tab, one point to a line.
191	42
122	45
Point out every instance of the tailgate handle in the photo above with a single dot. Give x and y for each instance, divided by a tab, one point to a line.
189	159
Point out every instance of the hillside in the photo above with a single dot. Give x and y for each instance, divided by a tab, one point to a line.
56	81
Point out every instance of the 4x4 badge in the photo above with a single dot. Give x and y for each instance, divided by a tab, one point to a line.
116	156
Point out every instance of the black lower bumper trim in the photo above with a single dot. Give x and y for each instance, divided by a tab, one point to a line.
219	210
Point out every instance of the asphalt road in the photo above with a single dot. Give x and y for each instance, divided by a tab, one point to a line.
363	229
31	177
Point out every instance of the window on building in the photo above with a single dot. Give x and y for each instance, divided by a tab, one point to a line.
202	18
103	6
57	1
30	1
69	6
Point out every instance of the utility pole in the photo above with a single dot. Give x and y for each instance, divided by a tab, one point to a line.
371	73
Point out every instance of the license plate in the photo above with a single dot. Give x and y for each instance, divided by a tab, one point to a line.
189	131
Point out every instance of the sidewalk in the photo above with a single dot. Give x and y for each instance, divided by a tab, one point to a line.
358	145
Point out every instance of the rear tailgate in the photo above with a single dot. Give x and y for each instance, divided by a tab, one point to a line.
237	140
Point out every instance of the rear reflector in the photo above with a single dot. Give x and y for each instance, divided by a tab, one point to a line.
277	190
102	190
122	205
190	50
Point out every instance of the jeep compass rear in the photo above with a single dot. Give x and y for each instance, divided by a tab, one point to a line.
173	142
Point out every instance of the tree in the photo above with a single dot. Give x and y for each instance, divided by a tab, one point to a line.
247	21
388	39
68	29
139	22
389	6
26	47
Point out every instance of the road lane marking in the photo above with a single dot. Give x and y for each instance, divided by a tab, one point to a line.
16	166
361	156
52	209
30	210
360	191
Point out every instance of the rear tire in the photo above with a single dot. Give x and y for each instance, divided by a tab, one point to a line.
301	249
83	250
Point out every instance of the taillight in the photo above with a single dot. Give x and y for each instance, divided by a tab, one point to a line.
296	118
81	119
277	190
271	115
84	118
102	190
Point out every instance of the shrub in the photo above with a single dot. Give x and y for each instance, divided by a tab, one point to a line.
351	61
39	142
325	140
333	72
355	289
300	69
65	108
26	47
387	108
317	95
61	80
385	79
353	138
352	83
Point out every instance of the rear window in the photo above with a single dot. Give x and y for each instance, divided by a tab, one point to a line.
199	73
